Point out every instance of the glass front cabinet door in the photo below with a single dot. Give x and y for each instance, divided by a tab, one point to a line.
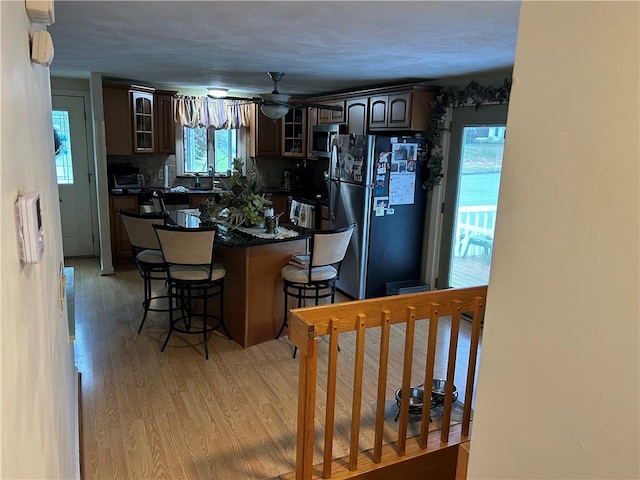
143	140
293	144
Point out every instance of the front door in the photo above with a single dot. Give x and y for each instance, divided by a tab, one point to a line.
72	171
471	195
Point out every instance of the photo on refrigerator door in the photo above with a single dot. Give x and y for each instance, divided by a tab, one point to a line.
380	205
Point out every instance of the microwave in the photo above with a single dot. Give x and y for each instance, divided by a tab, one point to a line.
321	138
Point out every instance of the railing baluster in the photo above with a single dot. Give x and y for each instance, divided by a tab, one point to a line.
406	380
451	370
306	410
357	393
434	317
331	398
383	363
478	311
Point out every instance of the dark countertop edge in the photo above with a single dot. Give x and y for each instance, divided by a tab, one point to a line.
147	193
242	240
149	190
294	196
272	190
257	241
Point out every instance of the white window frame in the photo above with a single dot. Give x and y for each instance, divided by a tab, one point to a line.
241	151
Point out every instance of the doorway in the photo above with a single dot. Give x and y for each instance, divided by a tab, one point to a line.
471	195
73	175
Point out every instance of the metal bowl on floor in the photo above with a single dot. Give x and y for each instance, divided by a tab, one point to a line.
437	392
416	398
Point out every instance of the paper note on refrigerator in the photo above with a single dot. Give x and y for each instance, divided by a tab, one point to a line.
381	204
402	188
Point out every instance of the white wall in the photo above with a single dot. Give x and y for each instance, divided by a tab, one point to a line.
38	413
559	384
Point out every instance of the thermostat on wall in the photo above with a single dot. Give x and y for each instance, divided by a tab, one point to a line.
29	225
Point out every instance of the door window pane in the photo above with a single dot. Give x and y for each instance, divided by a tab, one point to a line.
479	182
64	165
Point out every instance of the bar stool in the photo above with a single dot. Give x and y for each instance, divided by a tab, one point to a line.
148	257
192	275
318	280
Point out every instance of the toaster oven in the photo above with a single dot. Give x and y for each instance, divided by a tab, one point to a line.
129	180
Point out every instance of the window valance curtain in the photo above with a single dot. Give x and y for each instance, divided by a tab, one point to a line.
213	113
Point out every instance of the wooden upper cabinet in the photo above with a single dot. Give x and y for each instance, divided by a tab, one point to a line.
266	139
164	122
403	110
390	111
399	110
356	115
138	120
378	111
117	119
331	116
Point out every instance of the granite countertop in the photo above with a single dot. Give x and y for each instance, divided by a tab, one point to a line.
147	191
236	238
191	191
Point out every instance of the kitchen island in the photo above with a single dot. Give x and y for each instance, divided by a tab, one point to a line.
253	297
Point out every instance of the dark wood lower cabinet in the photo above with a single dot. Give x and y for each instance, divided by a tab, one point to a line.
121	250
253	297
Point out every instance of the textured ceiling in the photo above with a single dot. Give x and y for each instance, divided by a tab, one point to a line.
322	46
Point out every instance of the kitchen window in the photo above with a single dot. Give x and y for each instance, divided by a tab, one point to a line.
200	147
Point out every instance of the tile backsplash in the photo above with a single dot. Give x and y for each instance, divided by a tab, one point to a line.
270	171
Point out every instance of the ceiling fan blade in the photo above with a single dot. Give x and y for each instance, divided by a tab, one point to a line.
275	98
283	104
257	100
320	106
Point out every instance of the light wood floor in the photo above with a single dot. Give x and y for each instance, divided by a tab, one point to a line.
175	415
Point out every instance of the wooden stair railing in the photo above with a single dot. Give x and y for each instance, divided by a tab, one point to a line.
306	325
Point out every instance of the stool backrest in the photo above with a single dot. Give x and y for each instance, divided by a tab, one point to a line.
328	247
186	246
139	228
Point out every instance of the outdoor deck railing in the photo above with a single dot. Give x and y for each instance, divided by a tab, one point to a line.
478	220
308	324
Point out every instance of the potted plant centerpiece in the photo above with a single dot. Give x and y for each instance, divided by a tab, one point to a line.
240	203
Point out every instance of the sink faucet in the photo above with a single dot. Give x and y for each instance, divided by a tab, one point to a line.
211	171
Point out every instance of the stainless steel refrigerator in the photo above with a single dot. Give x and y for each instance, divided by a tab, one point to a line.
374	181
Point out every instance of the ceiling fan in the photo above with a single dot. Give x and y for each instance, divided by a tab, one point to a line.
276	105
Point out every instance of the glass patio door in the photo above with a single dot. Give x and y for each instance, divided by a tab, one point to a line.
471	198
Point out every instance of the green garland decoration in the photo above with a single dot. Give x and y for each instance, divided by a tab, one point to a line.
473	94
